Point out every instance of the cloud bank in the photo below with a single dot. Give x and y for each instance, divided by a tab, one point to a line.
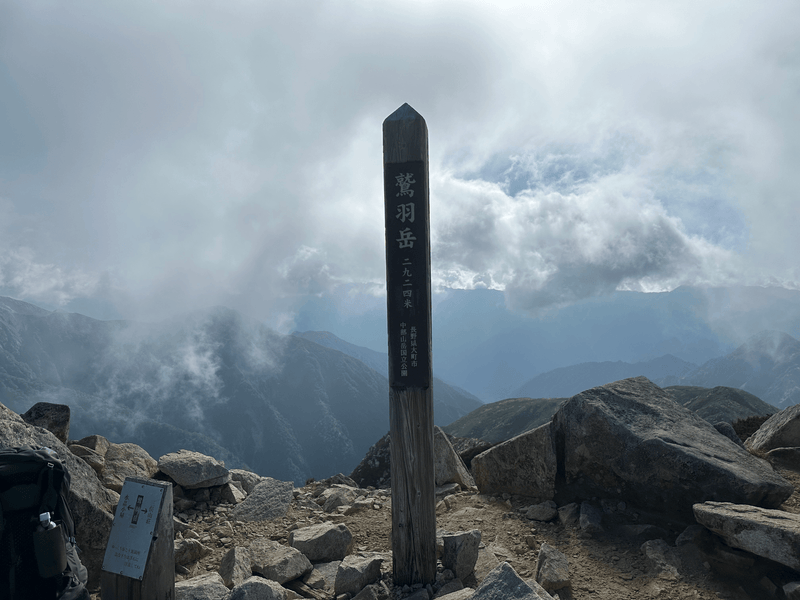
163	155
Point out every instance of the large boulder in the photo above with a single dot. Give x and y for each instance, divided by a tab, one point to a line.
235	566
53	417
781	430
773	534
203	587
90	457
247	479
337	495
258	588
277	562
503	583
447	464
355	572
270	499
552	569
192	470
524	465
126	460
325	542
91	504
460	552
629	439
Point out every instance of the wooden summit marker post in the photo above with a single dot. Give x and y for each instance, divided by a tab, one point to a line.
408	303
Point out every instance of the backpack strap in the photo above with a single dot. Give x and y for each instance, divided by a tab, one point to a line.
50	496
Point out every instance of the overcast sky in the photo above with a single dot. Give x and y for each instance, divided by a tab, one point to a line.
163	156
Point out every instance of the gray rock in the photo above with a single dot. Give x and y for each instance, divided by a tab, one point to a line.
53	417
781	430
94	442
277	562
729	432
569	514
336	496
356	572
486	563
192	470
450	587
524	465
89	456
630	439
231	494
322	543
360	506
375	468
91	504
689	535
552	569
338	479
503	583
543	593
258	588
234	568
126	460
662	559
462	594
202	587
374	591
468	448
315	580
545	511
460	552
328	572
784	457
442	491
188	551
792	590
772	534
248	479
591	518
723	559
447	464
269	500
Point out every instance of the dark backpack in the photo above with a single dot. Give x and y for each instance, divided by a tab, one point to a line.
38	556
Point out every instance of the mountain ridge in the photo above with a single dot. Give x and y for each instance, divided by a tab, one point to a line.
283	405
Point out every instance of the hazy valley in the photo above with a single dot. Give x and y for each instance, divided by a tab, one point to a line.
310	404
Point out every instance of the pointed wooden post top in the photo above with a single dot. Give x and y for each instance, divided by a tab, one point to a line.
405	136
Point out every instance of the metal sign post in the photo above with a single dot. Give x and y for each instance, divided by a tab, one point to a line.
139	562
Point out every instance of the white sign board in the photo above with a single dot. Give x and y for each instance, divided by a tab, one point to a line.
133	529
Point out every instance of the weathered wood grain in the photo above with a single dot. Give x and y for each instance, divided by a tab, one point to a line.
405	154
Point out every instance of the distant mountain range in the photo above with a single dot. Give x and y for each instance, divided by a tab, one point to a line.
310	404
500	421
213	381
491	349
450	401
568	381
766	365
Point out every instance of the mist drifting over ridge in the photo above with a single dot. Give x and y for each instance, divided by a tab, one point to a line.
213	381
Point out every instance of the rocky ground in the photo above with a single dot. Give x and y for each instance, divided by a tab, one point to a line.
609	565
615	549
